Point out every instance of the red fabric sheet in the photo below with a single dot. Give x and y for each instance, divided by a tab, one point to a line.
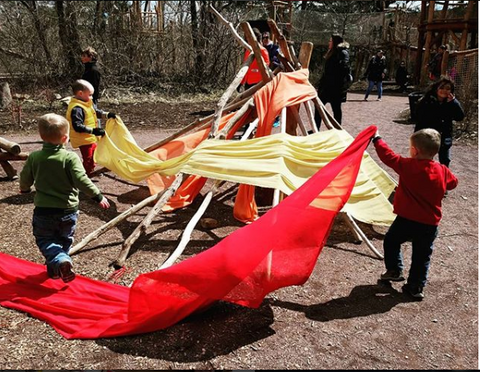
275	251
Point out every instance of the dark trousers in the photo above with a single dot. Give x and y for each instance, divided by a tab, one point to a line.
336	108
421	236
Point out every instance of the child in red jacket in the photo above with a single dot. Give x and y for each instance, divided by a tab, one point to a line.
418	205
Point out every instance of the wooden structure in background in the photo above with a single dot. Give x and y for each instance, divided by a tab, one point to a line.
436	28
150	18
10	151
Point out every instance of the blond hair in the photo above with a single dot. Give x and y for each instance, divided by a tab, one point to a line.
81	85
52	128
427	141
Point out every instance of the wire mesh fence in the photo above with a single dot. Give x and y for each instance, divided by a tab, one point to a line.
462	68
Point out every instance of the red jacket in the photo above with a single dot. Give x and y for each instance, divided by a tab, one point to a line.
253	75
421	186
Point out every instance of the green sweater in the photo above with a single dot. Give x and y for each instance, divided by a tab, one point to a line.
58	176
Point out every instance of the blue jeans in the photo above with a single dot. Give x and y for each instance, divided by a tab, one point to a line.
379	85
54	237
421	236
444	154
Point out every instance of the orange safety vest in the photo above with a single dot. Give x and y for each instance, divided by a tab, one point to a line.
79	139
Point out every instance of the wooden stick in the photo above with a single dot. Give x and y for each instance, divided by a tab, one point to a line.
228	93
363	236
250	129
9	170
277	195
234	119
120	261
9	146
310	116
240	40
358	238
282	42
112	223
299	120
265	72
187	233
305	54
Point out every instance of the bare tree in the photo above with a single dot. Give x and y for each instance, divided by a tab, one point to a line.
67	31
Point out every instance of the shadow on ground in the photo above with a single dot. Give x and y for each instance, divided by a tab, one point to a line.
220	330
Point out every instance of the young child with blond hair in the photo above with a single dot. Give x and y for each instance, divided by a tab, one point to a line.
82	115
58	177
418	205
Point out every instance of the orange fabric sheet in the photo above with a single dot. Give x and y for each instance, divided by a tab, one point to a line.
190	188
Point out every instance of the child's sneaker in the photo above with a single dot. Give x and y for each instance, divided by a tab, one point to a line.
392	276
66	272
415	292
52	274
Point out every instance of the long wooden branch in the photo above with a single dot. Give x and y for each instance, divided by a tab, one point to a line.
228	93
120	261
187	233
112	223
351	222
233	120
240	40
265	71
310	116
249	92
282	42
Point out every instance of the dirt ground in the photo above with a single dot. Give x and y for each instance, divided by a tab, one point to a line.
341	318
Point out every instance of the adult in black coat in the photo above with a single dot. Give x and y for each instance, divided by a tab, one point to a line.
437	109
91	73
336	77
401	76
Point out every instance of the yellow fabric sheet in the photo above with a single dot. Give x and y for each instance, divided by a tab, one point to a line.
278	161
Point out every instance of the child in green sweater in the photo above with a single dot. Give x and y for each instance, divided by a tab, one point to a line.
58	176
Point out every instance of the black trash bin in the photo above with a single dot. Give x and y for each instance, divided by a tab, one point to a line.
412	100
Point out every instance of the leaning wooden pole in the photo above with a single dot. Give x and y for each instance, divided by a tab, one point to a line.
127	245
187	233
112	223
228	93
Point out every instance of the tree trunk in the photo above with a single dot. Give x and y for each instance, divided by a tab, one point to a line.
67	30
31	5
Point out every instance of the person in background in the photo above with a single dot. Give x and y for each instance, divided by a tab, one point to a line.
58	177
437	109
82	116
401	77
253	75
333	85
435	65
418	205
375	73
91	73
272	49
